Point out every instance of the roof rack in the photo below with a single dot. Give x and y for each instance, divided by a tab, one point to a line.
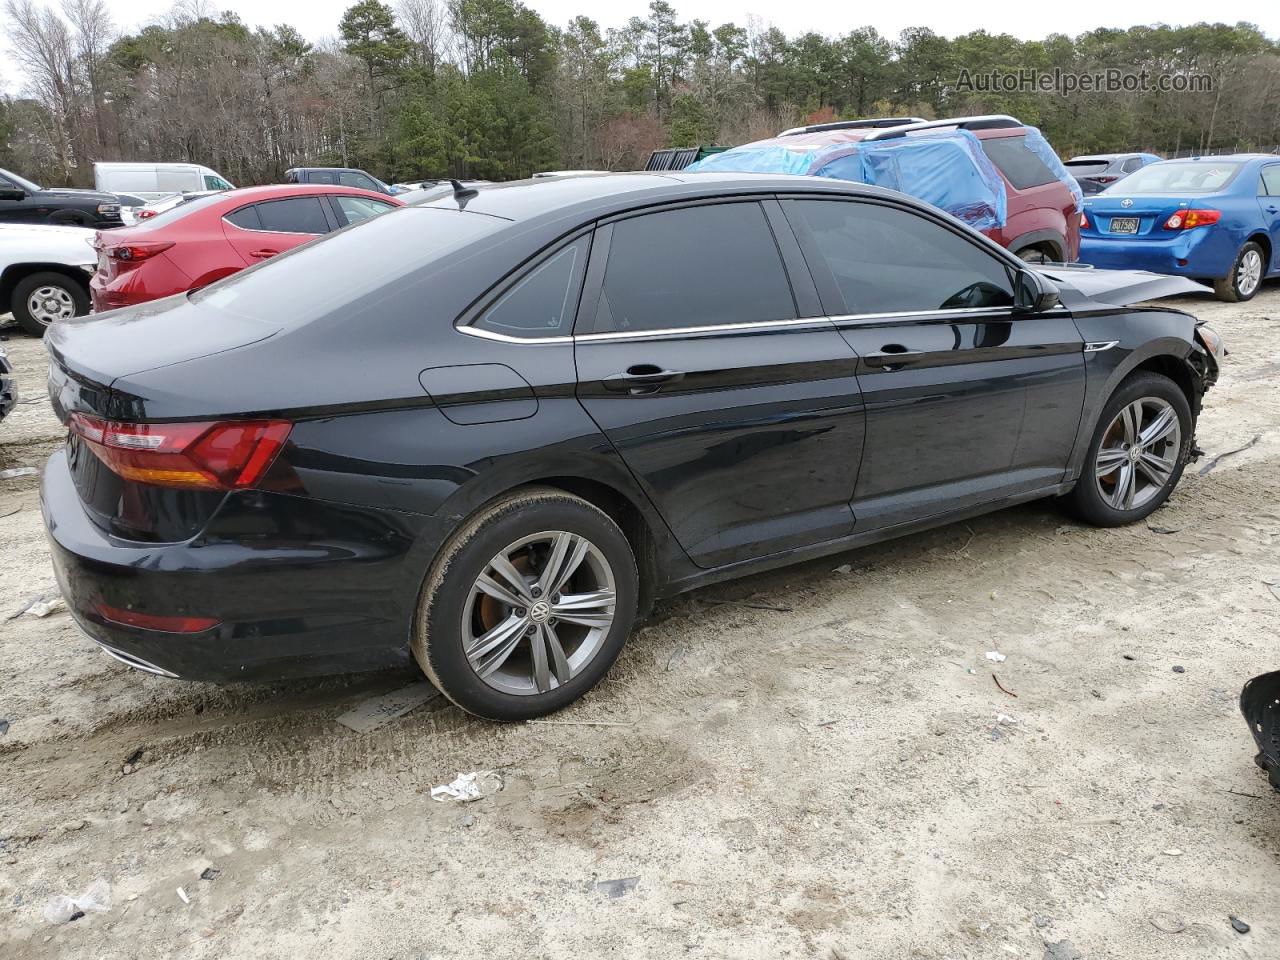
993	121
852	125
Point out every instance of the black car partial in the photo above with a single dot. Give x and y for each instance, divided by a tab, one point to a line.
339	176
22	201
488	431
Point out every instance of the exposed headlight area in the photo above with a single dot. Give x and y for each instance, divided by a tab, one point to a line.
1211	340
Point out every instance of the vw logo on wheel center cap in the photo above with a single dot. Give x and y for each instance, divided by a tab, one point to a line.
539	612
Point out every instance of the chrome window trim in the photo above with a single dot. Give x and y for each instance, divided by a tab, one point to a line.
917	314
474	331
707	329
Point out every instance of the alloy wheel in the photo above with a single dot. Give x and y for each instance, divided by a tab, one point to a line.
539	613
1249	273
49	303
1138	453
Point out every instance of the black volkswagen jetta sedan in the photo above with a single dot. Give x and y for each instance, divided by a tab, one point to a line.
489	430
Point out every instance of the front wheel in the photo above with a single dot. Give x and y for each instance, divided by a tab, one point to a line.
42	298
1139	449
527	606
1245	277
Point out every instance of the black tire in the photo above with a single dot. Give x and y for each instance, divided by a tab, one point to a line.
1032	255
438	634
23	289
1233	288
70	218
1086	499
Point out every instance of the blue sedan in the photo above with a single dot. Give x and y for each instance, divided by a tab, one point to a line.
1215	219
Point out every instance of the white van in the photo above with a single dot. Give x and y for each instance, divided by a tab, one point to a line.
152	181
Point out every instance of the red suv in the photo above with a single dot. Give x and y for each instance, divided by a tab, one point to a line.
1043	213
213	236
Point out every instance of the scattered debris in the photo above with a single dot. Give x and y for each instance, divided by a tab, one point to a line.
753	606
96	899
42	608
467	787
1179	668
1004	718
4	727
961	551
38	598
1274	588
1041	921
182	895
1238	925
1158	529
617	888
131	761
1175	852
1129	656
209	873
1166	922
843	568
1062	950
12	472
1222	456
376	711
1002	688
995	656
468	821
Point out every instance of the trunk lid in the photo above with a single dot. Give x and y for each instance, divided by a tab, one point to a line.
1151	212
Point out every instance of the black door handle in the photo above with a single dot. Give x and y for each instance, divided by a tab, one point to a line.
893	356
642	378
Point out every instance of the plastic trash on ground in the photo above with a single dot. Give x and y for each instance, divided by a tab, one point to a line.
95	899
466	787
946	168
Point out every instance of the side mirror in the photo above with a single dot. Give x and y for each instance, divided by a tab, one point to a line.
12	193
1033	292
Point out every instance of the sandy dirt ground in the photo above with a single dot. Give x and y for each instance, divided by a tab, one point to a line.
840	778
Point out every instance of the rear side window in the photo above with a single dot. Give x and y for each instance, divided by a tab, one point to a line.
1270	182
695	267
246	218
543	301
295	215
1132	164
355	209
320	176
1016	161
885	260
1084	168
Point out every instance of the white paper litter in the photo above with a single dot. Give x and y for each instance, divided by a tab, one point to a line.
182	895
376	711
42	608
1004	718
995	656
467	787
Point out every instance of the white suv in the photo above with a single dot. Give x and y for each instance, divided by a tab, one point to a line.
44	273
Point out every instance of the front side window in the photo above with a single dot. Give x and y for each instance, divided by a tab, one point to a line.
694	267
295	215
543	301
355	209
887	260
215	183
351	178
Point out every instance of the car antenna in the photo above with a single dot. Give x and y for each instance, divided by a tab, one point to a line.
463	193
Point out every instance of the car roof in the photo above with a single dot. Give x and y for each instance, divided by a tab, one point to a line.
1227	157
597	195
297	189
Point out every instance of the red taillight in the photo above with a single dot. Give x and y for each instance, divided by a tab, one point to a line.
229	455
133	252
145	214
1084	220
1186	219
1104	179
150	621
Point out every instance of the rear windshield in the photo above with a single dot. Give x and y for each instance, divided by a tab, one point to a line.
1086	167
187	207
1179	176
1017	162
349	266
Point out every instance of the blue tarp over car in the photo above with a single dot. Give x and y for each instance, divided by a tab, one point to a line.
947	168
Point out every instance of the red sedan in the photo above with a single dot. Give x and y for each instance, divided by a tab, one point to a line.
209	237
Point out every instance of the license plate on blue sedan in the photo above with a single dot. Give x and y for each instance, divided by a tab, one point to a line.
1124	224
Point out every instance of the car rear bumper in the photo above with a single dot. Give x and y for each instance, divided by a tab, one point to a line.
1260	704
287	605
1197	253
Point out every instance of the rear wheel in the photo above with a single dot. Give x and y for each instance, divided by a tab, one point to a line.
527	606
1137	454
1032	255
41	298
71	218
1245	277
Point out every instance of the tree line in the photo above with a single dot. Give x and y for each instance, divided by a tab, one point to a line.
488	89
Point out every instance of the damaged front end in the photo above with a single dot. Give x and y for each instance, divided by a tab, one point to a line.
1260	704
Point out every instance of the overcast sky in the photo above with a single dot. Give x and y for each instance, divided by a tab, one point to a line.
317	19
